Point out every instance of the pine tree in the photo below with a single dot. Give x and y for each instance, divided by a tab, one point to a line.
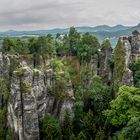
67	126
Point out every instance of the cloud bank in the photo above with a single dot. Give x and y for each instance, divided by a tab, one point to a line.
46	14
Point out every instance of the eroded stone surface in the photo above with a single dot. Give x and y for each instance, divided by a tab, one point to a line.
105	70
30	100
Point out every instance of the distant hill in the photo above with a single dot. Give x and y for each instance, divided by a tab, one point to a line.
101	31
103	28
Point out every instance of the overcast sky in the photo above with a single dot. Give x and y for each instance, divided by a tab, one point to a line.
46	14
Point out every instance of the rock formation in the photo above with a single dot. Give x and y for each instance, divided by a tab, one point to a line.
135	44
4	73
105	57
131	46
31	98
128	75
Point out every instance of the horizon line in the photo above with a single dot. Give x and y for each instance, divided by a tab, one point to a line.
55	28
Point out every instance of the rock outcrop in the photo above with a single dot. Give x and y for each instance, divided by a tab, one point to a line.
132	53
31	98
4	74
122	62
22	107
135	44
126	51
128	75
105	56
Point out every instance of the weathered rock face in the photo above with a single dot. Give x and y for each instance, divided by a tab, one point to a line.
30	99
93	66
22	107
135	41
132	53
127	75
128	52
135	44
4	65
105	70
4	73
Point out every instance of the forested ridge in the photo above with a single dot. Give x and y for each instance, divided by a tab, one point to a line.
93	91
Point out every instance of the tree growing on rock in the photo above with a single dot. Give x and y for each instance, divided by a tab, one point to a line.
119	64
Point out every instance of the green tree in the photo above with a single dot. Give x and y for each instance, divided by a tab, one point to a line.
100	135
125	106
136	72
35	50
42	46
74	40
125	112
87	48
50	128
14	46
90	40
67	127
132	130
78	116
100	95
62	45
20	46
81	136
7	45
106	44
46	46
84	53
4	93
88	125
32	45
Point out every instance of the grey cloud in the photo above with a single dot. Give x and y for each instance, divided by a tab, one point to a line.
43	14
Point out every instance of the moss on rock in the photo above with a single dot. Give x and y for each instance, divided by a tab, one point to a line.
37	72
